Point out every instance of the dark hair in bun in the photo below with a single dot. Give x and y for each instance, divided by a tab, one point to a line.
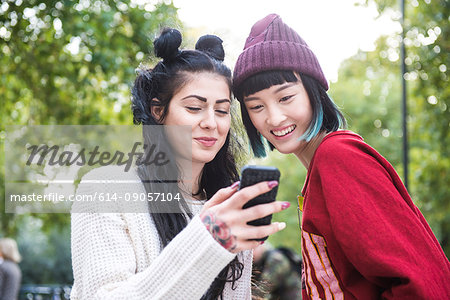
172	73
212	45
167	44
156	87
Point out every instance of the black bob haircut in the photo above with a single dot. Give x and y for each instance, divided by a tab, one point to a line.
326	115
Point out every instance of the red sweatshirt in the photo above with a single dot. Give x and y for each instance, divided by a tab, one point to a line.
362	236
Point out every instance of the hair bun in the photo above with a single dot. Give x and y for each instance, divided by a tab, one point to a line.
211	45
167	44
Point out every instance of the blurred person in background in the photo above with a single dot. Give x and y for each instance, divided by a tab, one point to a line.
277	273
10	274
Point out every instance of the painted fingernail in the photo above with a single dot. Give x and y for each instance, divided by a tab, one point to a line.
272	184
235	185
285	205
281	225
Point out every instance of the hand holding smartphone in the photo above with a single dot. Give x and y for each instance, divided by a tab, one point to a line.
251	175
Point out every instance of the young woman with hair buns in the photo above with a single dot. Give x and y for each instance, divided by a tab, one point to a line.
202	249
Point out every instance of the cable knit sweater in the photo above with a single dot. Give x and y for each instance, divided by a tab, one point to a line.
118	255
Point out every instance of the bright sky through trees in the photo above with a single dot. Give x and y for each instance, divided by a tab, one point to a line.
335	30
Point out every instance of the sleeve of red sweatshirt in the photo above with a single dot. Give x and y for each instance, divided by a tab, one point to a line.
380	231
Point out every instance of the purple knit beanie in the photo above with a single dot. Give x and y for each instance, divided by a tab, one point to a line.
272	45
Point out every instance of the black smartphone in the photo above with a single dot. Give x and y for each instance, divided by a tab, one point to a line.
251	175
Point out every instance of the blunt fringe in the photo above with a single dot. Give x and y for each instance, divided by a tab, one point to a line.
326	115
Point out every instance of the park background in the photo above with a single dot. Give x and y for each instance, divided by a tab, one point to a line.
73	62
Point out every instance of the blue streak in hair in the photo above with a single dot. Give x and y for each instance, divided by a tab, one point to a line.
260	150
314	128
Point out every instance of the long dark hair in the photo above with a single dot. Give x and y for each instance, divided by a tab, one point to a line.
162	82
326	115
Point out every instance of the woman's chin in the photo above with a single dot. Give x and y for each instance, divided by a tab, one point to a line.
285	149
206	158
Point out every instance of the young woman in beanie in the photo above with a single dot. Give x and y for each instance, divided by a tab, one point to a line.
362	236
201	248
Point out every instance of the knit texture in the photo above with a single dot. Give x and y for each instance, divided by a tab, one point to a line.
362	236
118	255
272	45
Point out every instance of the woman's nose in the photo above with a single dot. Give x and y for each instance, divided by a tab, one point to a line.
209	120
276	116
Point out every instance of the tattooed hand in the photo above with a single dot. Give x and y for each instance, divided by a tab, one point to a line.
226	220
219	230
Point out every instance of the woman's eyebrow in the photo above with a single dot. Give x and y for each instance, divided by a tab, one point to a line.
285	86
223	100
251	99
203	99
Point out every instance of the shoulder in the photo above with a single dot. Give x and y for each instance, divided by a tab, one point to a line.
345	149
111	178
109	189
9	267
340	143
344	154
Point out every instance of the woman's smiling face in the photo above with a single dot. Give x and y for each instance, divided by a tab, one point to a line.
203	103
282	114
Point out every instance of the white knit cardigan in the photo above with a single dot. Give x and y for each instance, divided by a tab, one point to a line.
118	255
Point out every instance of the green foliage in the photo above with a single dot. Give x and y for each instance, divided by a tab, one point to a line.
368	92
64	62
45	253
382	5
428	51
72	64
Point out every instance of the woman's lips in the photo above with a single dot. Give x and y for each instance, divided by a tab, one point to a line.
206	141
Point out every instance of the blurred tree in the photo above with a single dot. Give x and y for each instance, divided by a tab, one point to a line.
65	62
46	256
368	92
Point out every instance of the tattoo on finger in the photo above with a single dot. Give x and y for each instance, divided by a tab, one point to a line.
219	230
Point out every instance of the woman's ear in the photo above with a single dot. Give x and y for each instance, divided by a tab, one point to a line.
157	109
